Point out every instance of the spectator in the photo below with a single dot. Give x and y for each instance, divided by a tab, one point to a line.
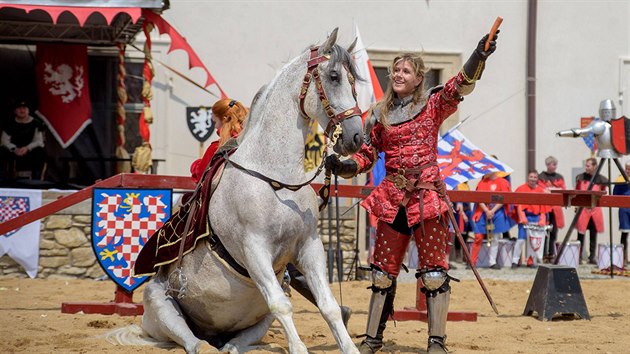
624	213
22	143
590	218
528	214
551	180
495	212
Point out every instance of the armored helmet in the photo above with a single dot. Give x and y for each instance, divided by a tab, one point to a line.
607	110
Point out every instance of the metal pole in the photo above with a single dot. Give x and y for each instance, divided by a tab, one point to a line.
610	224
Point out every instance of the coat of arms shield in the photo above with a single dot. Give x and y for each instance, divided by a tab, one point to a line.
200	123
123	220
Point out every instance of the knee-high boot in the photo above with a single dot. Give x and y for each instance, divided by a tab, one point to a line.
381	307
437	313
298	282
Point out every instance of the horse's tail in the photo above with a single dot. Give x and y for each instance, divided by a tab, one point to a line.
135	335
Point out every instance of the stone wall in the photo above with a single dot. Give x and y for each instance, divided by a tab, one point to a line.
66	247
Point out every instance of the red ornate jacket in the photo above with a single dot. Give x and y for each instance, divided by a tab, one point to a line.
411	144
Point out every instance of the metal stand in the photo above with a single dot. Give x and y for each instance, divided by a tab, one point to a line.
556	291
579	211
122	305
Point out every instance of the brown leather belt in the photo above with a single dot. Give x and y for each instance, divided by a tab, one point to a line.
409	184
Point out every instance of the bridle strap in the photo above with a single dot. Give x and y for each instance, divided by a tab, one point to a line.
312	72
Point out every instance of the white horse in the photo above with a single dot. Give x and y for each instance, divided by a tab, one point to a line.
262	228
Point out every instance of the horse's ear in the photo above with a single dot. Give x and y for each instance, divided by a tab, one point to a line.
354	44
327	46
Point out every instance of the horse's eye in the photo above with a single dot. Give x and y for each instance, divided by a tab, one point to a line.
334	76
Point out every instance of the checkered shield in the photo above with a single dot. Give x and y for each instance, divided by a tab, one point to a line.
122	222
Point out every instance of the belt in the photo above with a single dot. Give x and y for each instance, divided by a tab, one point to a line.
410	185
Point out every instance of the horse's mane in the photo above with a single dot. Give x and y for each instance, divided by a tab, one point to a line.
340	56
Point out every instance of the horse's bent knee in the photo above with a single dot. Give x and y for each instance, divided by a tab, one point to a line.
281	307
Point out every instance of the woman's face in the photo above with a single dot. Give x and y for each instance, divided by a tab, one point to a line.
551	167
590	167
218	123
532	179
404	79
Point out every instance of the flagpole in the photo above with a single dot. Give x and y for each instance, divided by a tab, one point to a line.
457	125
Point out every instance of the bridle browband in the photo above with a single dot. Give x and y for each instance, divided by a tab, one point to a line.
312	72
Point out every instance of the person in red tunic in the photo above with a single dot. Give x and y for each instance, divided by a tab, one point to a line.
528	214
552	180
411	199
228	116
590	218
497	212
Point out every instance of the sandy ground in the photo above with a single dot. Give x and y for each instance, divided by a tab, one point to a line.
32	321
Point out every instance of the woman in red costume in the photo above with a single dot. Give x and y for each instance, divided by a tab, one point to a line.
411	199
228	116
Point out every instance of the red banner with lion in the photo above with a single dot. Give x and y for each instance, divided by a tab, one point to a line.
63	90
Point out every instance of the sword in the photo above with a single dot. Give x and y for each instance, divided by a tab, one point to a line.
442	191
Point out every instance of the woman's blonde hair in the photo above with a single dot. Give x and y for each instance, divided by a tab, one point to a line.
232	113
387	103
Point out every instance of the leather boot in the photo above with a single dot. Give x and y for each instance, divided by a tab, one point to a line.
371	345
437	313
298	282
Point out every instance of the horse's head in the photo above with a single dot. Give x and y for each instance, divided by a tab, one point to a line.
333	103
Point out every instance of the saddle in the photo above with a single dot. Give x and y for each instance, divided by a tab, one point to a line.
163	246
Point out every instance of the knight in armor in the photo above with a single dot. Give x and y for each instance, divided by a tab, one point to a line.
600	128
411	199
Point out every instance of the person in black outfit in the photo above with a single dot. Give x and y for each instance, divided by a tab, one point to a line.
22	143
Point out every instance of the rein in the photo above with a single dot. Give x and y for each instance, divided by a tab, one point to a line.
324	192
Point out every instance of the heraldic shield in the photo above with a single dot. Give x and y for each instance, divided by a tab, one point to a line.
620	129
122	222
12	207
200	123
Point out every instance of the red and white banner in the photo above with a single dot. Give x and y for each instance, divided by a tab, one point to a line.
63	89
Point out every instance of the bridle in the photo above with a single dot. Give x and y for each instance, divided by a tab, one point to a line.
333	129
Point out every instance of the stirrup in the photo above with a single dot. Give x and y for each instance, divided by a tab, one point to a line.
437	345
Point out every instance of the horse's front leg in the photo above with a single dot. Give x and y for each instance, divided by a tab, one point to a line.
312	263
260	269
163	320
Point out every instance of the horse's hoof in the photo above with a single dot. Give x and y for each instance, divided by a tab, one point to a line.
204	347
346	312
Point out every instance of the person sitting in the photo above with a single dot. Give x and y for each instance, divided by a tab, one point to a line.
22	143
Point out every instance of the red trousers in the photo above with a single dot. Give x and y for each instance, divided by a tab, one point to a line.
390	246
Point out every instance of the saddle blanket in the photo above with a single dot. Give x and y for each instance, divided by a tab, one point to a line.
163	246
